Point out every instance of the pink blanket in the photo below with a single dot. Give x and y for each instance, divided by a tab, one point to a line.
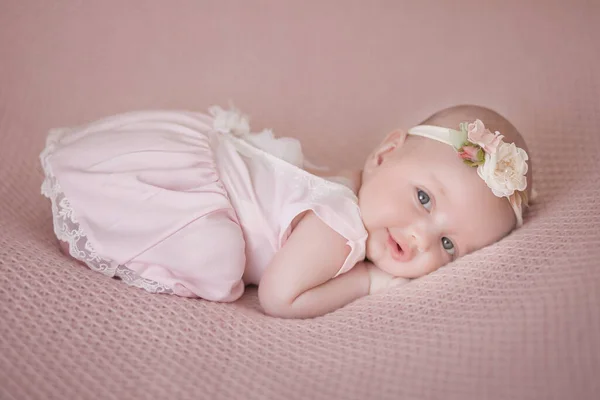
518	320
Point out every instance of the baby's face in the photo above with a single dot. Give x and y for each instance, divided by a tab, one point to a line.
423	207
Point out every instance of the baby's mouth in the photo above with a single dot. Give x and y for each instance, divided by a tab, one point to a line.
397	250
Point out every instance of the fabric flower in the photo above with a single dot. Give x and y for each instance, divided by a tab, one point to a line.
472	155
288	149
478	134
504	170
229	121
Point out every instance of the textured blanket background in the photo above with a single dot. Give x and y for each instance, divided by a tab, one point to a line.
519	320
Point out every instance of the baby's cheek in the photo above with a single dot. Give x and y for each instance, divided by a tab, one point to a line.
436	261
375	246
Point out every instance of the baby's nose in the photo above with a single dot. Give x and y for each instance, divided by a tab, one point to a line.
421	239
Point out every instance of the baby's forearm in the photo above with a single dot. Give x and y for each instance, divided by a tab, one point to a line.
332	294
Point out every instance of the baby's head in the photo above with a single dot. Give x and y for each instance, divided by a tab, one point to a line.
424	206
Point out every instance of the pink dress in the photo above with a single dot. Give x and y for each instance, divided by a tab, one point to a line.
186	203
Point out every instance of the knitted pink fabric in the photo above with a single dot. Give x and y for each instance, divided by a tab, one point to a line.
518	320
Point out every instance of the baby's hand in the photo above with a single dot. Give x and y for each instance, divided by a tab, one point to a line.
381	280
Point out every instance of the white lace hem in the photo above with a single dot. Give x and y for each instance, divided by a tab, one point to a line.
67	229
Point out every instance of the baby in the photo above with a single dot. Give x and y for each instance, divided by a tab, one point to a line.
198	206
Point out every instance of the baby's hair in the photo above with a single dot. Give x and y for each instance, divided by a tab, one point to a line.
451	117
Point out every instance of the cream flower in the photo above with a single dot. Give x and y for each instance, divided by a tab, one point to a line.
504	171
229	121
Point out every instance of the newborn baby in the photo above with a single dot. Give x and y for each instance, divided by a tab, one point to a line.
197	205
422	204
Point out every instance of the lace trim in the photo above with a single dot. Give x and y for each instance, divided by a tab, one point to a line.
68	229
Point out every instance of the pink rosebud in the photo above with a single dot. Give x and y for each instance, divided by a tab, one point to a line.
469	153
479	135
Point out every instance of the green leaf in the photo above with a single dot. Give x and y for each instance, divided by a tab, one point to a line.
480	156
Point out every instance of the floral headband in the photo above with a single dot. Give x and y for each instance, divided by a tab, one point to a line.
501	165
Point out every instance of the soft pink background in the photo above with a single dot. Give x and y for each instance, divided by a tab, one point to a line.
518	320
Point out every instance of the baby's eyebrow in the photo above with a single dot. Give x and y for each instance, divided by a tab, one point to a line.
441	188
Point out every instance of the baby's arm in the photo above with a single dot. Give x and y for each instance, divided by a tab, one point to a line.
298	282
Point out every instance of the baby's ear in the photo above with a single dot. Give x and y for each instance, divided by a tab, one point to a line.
392	141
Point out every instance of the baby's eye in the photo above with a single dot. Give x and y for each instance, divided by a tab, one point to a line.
424	199
448	245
